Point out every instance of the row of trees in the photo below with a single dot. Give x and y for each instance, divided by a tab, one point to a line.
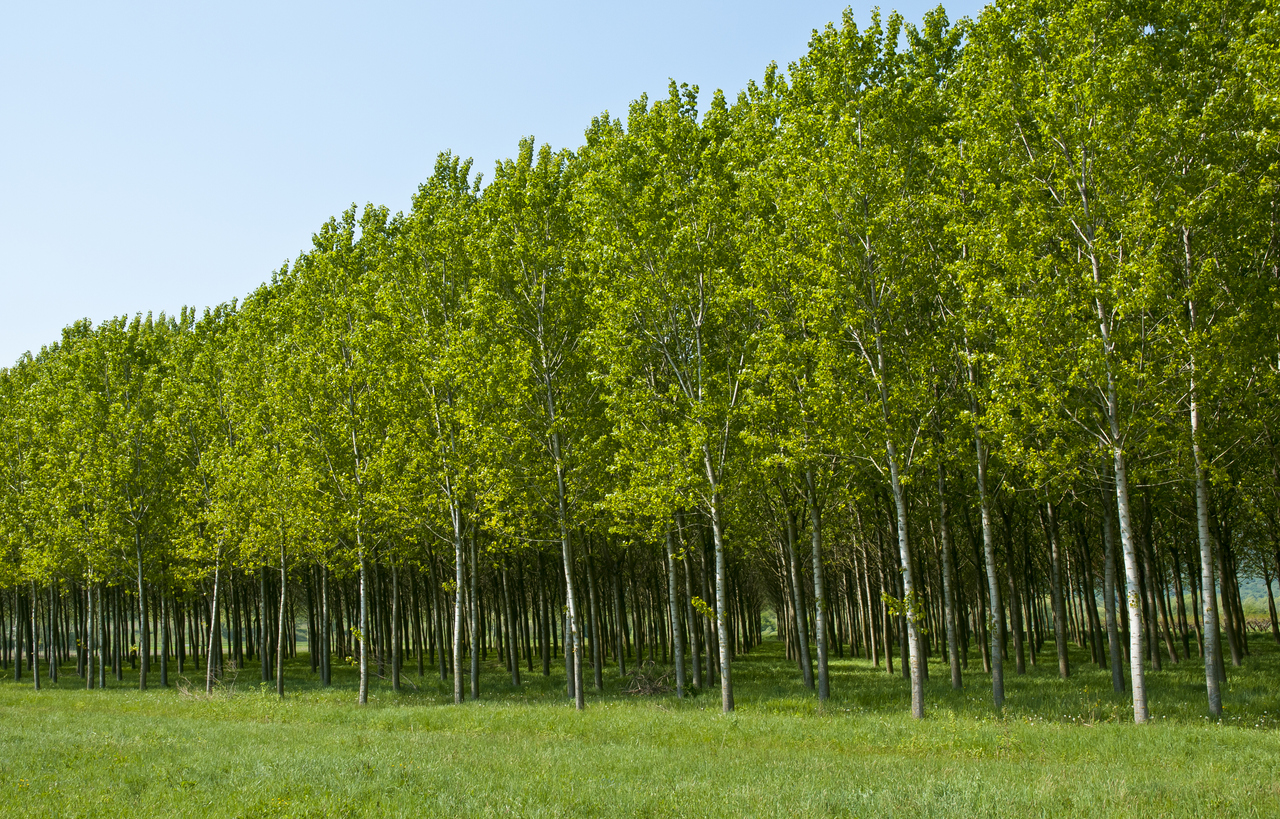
935	341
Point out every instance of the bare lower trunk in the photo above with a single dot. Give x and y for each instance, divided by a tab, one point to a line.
1209	597
573	630
513	640
993	581
363	696
948	573
91	621
677	638
213	627
798	605
325	647
1137	677
694	656
909	603
145	645
1109	595
35	654
459	565
280	627
722	626
395	627
164	639
473	610
1059	609
819	591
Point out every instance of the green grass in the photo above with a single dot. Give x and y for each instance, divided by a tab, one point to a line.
1057	749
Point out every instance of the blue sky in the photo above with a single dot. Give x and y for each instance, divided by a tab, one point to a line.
160	154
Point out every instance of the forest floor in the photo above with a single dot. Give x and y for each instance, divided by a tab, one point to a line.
1059	748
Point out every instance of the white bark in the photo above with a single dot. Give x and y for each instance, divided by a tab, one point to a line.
948	590
908	584
677	638
819	592
1137	677
459	562
213	624
993	581
1209	597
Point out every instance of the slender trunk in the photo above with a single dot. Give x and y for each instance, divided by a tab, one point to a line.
280	626
1095	628
800	610
325	645
513	631
90	633
1212	642
1059	609
909	602
395	627
1109	594
677	639
573	630
473	609
460	580
819	592
363	696
1137	677
264	654
993	582
100	635
722	633
35	654
948	592
1271	606
695	659
145	647
164	639
213	624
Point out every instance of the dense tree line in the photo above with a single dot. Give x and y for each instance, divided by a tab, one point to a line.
951	340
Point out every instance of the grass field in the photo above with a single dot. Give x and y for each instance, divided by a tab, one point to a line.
1057	749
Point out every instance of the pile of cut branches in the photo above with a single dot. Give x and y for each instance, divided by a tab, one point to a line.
648	680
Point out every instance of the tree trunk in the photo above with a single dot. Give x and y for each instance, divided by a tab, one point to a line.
677	641
460	583
909	602
213	625
696	660
1055	579
819	592
993	582
573	634
280	626
325	642
1137	676
1271	605
35	654
799	610
722	634
145	648
363	696
473	609
948	592
395	627
1109	592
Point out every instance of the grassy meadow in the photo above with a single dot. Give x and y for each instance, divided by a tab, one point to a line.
1058	748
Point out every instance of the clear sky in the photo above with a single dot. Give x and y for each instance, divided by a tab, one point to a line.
160	154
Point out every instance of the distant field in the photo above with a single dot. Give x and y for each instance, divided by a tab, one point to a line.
1058	748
